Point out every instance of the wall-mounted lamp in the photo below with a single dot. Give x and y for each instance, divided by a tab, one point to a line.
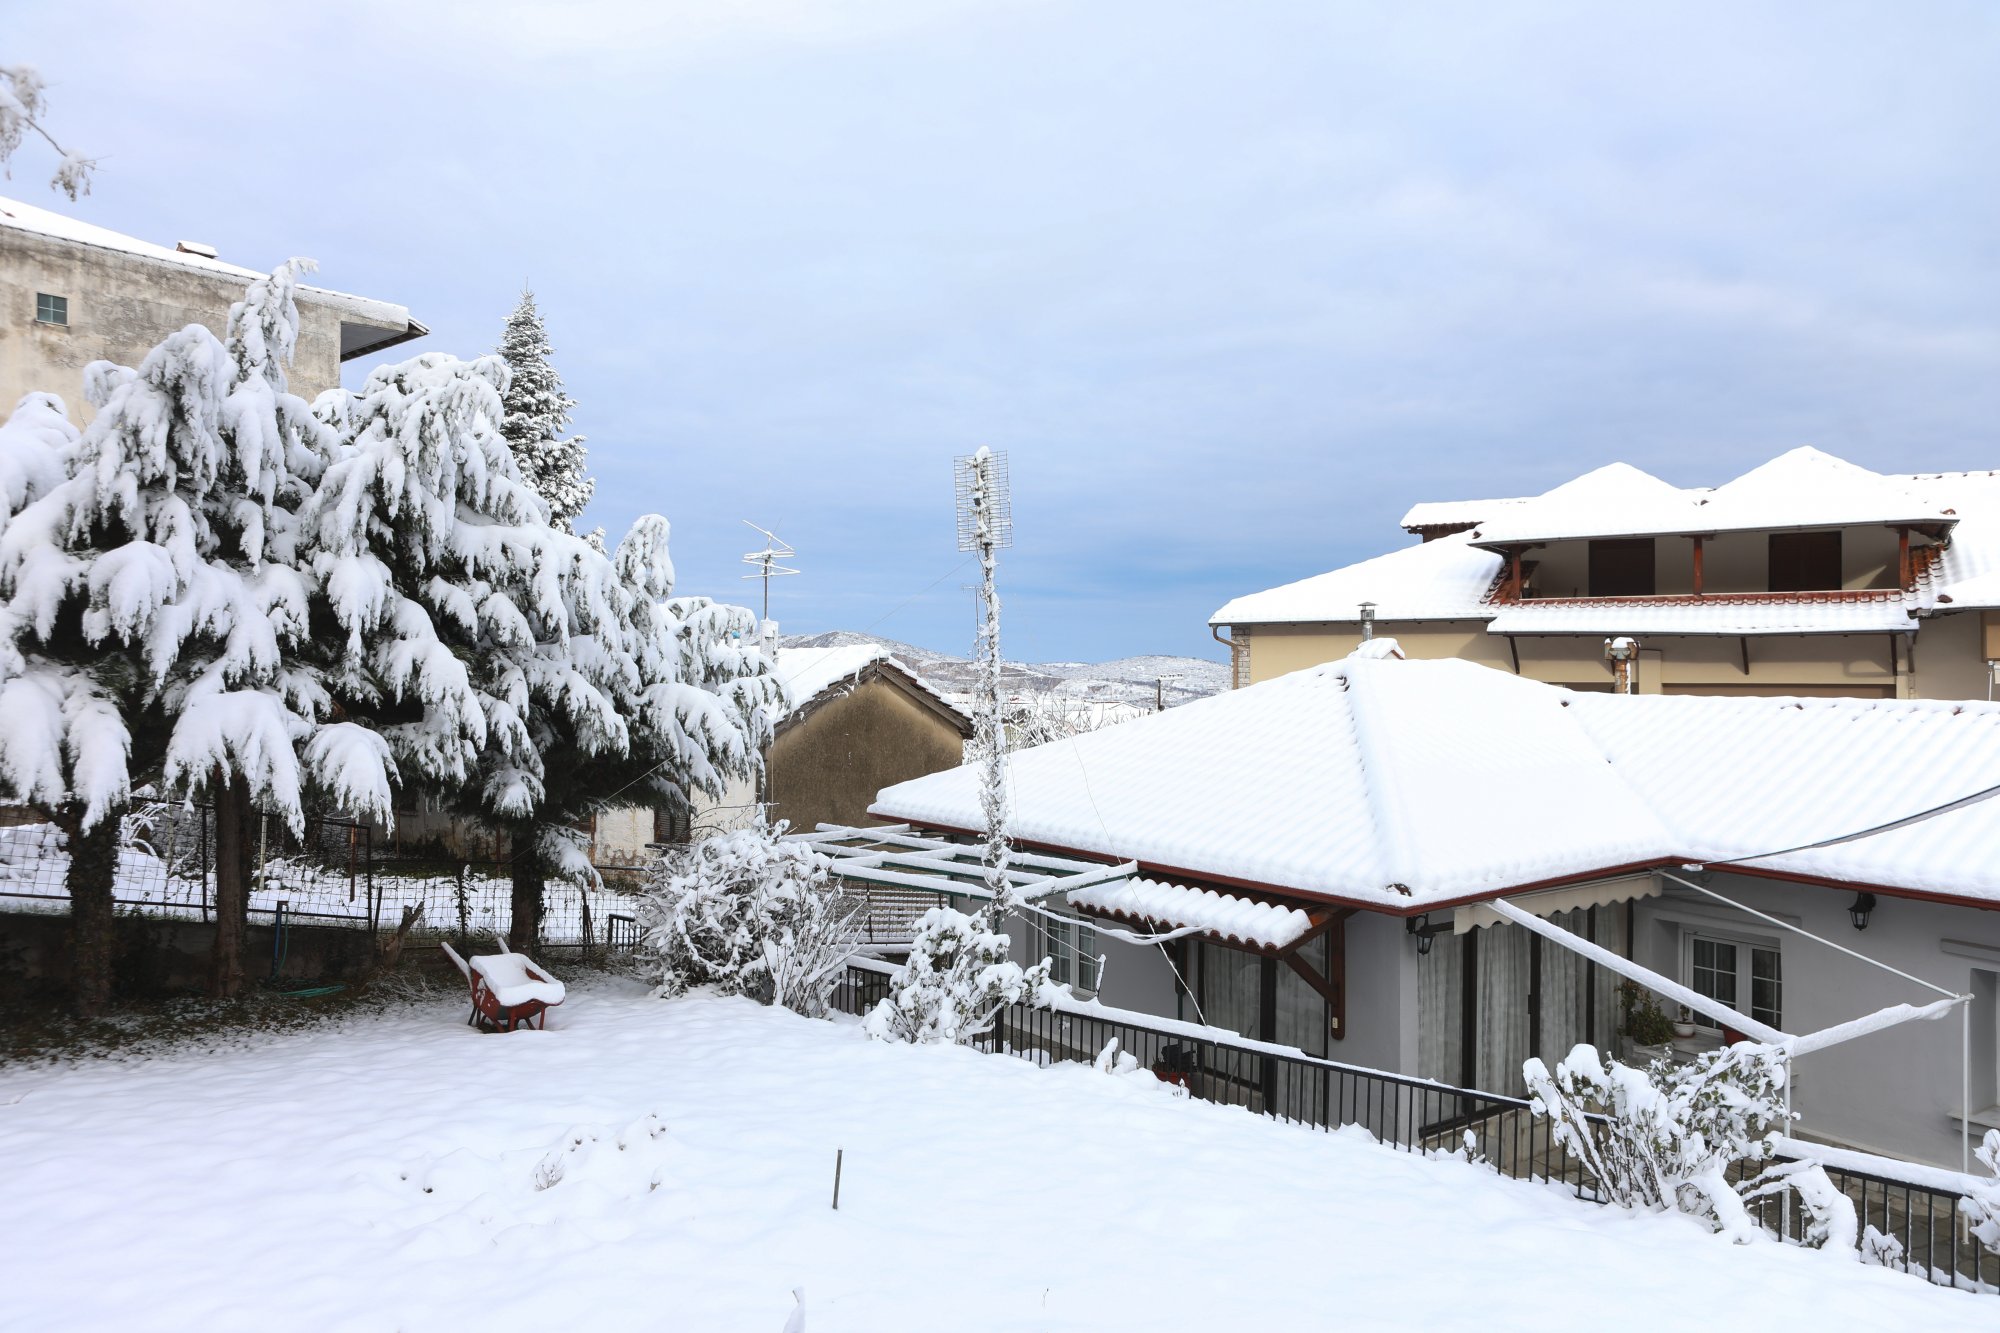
1421	927
1858	910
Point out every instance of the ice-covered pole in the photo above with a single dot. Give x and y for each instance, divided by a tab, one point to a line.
985	525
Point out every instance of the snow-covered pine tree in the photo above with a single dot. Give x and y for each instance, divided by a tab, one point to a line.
561	679
153	603
537	414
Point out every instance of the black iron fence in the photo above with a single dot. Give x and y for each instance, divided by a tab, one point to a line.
1917	1227
336	872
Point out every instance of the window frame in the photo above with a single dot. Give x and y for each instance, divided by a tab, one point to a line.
1070	945
47	303
1743	973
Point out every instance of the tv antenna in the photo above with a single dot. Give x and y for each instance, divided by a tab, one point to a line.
1160	684
985	525
766	562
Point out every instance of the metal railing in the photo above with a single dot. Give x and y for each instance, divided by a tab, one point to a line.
1918	1228
1412	1114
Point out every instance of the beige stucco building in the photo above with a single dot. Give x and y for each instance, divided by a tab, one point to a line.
74	293
1807	576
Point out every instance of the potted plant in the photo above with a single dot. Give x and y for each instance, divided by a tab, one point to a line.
1684	1025
1646	1024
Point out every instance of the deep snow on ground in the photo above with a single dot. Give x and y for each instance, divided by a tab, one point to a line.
283	1185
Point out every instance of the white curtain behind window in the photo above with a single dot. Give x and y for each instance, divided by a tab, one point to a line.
1441	1010
1503	1008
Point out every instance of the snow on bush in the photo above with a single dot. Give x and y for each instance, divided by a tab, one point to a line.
750	914
1982	1206
1664	1137
955	983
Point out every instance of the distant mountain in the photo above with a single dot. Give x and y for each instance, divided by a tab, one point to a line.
1129	679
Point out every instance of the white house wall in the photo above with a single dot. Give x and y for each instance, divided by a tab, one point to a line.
1895	1091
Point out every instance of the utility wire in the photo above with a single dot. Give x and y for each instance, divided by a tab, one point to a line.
1985	793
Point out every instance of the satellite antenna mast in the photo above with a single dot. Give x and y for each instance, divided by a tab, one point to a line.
1160	684
767	560
985	525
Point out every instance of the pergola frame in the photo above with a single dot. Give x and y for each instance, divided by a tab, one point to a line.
896	856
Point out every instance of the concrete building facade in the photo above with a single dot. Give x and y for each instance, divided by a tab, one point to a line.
73	293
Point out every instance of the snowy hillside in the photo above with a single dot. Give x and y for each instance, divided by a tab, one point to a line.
1128	679
649	1164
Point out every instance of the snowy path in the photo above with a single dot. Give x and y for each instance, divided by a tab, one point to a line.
262	1188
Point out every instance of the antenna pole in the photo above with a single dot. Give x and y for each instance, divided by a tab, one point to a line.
766	562
985	524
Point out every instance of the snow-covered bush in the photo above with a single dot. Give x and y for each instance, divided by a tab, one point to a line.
1664	1137
955	983
1982	1206
750	914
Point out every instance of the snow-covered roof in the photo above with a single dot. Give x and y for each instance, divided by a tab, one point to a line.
1401	784
1457	577
1804	488
1226	916
1887	610
1446	579
1736	776
18	216
810	672
1377	782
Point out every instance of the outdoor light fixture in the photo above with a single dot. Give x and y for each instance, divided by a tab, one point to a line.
1858	910
1421	927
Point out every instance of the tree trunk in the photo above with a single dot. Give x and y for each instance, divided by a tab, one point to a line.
235	830
93	875
524	928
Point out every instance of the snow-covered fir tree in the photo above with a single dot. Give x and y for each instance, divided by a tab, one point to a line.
154	608
537	413
562	678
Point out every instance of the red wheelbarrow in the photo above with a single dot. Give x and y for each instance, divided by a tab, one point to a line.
508	990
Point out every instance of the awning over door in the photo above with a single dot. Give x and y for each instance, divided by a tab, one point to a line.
1224	917
1550	902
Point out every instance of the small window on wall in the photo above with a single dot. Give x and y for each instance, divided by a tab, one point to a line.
1071	948
51	309
1731	972
1805	561
1622	568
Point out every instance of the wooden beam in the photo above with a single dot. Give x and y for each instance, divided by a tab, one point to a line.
1514	648
1697	566
1332	987
1743	641
1902	557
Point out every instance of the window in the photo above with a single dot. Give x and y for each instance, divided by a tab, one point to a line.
51	309
1805	561
1071	948
1728	970
1622	568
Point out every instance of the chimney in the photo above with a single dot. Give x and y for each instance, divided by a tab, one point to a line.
1623	654
1367	621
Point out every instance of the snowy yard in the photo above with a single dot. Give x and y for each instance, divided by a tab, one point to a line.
283	1185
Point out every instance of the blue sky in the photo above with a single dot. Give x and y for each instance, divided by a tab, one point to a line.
1233	284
